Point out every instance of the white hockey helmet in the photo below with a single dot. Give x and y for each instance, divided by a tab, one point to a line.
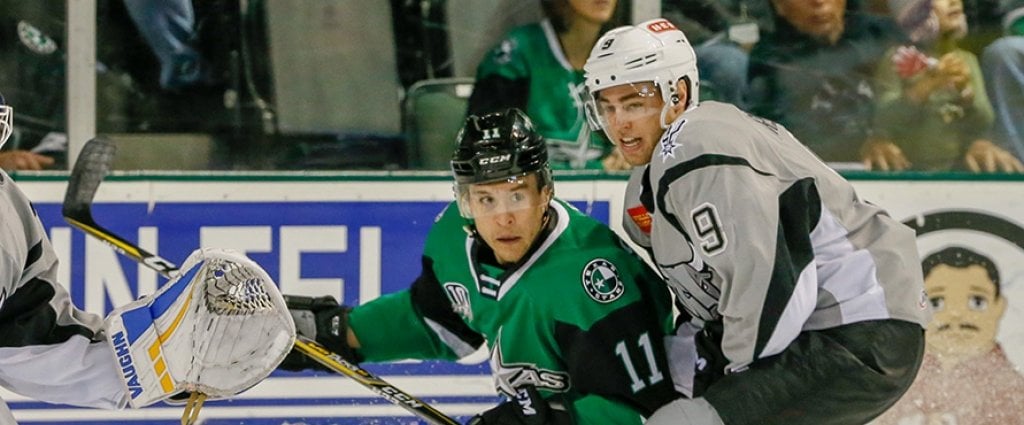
653	51
6	121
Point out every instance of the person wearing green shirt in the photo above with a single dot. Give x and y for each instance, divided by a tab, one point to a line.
575	322
538	68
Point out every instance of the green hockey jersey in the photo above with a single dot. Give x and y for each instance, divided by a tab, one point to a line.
580	317
529	71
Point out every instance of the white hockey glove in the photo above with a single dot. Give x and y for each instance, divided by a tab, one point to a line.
217	328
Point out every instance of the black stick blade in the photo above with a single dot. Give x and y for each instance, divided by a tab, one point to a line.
92	166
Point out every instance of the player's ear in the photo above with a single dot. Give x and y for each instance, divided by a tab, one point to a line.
682	96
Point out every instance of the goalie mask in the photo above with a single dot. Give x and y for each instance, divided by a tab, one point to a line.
651	55
6	121
495	148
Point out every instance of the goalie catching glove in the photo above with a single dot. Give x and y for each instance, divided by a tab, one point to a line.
218	327
324	321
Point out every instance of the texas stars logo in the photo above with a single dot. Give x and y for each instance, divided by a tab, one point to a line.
601	281
35	40
509	376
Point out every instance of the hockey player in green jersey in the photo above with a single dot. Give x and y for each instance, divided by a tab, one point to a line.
538	68
573	319
809	300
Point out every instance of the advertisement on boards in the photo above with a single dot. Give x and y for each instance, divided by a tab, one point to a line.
356	240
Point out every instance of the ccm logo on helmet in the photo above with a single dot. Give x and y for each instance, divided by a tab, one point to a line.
495	159
660	26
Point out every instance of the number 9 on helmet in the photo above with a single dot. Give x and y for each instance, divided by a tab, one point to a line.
501	147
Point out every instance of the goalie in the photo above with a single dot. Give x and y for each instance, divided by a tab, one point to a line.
198	334
574	321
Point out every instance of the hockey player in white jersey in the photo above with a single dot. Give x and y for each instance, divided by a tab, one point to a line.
806	301
51	351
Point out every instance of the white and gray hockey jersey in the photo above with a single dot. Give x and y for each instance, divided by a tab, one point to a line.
49	350
750	228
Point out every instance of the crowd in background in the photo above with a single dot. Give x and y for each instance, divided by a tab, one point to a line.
888	85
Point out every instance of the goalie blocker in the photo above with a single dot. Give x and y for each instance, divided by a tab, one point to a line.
219	327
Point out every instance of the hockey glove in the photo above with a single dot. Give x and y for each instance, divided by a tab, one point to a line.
527	408
324	321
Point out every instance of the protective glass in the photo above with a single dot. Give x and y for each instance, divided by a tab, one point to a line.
509	195
6	123
623	103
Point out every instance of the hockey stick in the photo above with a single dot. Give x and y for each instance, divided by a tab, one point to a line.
92	166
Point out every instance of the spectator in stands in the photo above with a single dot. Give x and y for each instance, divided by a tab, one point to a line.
814	73
538	68
1003	65
24	160
33	71
168	26
966	377
933	112
722	32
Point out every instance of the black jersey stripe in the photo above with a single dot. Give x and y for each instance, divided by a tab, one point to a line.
429	298
799	212
596	367
27	318
677	172
34	254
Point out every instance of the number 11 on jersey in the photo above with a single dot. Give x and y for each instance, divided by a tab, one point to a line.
643	342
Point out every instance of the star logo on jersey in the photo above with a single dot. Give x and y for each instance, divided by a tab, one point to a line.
668	141
35	40
601	281
459	297
510	376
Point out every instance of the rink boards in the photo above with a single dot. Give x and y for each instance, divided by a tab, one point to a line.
358	237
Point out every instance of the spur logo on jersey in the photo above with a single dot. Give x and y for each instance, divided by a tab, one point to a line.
459	297
668	141
601	281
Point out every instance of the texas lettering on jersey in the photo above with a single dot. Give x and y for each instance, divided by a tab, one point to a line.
509	376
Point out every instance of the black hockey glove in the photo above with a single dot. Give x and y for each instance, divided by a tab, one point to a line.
324	321
528	408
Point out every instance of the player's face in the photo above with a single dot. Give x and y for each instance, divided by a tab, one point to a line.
822	19
594	11
966	309
509	215
952	19
631	115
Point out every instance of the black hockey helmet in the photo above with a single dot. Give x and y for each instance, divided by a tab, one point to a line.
501	146
498	146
